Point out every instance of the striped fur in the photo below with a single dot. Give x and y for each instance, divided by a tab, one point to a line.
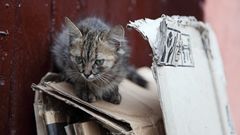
93	57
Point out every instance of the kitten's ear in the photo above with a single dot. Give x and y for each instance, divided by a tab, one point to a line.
117	30
116	35
73	30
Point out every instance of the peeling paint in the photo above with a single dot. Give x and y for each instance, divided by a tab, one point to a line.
2	82
7	5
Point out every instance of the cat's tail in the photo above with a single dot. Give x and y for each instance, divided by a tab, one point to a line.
135	77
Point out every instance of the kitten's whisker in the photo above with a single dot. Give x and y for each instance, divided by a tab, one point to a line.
110	84
108	76
105	81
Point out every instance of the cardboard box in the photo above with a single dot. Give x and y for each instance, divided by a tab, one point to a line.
139	112
189	72
84	128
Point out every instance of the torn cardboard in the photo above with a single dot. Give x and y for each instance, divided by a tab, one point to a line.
189	72
84	128
139	112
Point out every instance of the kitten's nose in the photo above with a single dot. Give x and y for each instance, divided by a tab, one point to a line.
87	74
87	70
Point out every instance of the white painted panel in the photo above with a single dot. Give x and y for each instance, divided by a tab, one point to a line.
190	77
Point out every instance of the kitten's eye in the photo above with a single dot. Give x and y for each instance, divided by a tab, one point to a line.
79	60
99	62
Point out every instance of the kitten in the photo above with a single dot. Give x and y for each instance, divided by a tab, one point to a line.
93	57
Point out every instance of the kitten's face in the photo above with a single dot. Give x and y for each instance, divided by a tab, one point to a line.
92	58
92	54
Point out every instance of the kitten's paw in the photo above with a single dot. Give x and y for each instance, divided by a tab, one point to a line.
92	98
88	97
114	98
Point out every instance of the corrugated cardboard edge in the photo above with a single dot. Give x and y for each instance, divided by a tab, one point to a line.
219	80
111	125
146	128
39	114
83	128
48	84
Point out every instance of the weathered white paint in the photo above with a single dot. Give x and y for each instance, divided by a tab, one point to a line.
193	99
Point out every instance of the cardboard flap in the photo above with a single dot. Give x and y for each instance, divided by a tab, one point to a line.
139	112
188	69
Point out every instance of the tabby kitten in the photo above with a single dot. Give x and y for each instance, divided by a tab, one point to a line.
94	57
